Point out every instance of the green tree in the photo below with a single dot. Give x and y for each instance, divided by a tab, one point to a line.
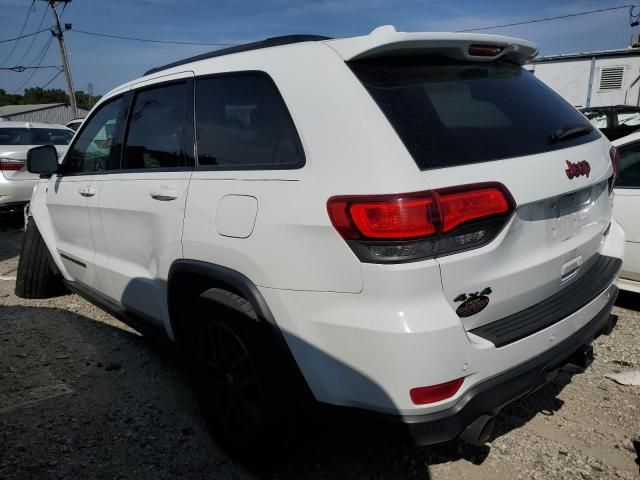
8	99
34	96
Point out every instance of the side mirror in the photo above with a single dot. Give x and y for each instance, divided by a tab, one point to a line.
42	160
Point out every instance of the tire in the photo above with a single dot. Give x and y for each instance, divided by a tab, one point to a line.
36	277
239	379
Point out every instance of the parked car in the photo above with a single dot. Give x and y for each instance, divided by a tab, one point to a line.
75	124
627	209
614	122
16	138
407	225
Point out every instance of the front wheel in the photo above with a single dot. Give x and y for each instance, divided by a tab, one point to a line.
36	276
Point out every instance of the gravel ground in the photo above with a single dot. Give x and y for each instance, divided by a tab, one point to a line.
82	395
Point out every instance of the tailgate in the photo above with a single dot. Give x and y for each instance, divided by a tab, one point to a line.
467	122
550	241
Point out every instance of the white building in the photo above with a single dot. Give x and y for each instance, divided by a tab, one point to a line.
59	113
593	79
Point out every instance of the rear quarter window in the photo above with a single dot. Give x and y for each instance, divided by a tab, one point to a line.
450	113
242	123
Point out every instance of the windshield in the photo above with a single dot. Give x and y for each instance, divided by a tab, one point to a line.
34	136
454	113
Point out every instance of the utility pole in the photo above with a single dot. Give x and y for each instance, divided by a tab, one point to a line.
58	33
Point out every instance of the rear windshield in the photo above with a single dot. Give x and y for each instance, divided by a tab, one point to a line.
451	113
34	136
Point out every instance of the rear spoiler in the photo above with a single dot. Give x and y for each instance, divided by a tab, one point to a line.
386	41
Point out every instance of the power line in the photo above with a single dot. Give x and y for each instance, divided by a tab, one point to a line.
54	77
23	36
33	39
20	68
44	54
538	20
153	40
24	24
45	46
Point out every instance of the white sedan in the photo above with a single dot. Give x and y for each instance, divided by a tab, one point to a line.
16	138
626	209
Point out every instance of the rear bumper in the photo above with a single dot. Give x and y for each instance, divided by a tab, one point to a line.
490	396
15	191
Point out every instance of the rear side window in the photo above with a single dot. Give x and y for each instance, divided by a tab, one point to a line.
242	123
35	136
156	131
629	175
451	113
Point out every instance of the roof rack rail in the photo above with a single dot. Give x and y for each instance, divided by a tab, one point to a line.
269	42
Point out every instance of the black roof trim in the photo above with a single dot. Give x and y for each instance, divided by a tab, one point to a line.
269	42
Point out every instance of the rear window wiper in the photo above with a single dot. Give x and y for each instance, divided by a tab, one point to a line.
566	133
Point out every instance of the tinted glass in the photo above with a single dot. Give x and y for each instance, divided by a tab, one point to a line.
629	167
155	136
35	136
95	149
453	113
242	122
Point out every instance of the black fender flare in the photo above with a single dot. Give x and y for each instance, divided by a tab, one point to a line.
227	276
243	286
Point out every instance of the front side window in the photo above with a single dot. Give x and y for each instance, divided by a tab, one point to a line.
243	123
156	130
95	148
35	136
629	175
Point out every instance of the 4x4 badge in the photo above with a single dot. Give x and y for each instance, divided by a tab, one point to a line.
577	169
472	303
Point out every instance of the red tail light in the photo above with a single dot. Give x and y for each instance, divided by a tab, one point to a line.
10	165
458	208
386	228
435	393
384	216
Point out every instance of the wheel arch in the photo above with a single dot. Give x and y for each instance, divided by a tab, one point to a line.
190	278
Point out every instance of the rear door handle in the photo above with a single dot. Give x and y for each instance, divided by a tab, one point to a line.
164	194
87	191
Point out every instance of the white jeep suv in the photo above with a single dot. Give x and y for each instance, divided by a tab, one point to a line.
405	224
